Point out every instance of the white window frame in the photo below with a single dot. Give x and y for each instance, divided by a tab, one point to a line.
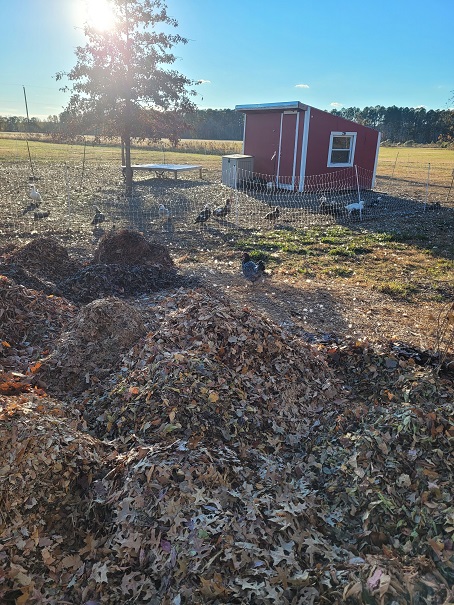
351	159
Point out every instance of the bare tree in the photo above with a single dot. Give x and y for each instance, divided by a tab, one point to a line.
122	82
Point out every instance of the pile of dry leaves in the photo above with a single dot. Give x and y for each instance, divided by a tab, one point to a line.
91	346
29	322
189	450
209	369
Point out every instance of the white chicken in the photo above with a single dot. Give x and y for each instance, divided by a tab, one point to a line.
356	206
36	200
34	194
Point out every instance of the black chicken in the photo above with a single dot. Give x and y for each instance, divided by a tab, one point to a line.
32	206
99	217
41	214
273	215
204	215
252	271
223	210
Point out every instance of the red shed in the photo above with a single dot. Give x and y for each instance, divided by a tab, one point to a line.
293	142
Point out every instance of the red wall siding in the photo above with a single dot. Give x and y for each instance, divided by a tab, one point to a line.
321	126
262	140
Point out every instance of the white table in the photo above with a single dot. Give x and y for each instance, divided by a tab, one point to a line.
160	169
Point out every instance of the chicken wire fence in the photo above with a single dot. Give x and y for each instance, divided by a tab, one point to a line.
71	198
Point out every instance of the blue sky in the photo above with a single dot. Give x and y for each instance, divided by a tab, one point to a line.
328	54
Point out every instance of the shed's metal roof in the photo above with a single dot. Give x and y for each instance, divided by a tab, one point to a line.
270	106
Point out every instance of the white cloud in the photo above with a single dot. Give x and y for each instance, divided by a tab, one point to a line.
204	82
335	104
302	86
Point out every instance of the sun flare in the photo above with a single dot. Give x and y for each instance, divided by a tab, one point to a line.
100	14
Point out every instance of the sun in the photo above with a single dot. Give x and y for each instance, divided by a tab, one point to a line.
100	14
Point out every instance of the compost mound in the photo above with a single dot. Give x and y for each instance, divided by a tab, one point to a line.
23	277
46	258
131	248
232	467
92	346
101	281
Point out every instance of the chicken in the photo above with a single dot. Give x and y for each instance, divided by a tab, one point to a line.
252	271
273	215
36	200
357	206
32	206
332	207
204	215
223	210
324	205
41	214
99	217
34	194
163	212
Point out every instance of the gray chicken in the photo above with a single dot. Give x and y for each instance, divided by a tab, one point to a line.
204	215
223	210
252	271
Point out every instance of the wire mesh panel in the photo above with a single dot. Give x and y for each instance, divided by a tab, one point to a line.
80	202
428	183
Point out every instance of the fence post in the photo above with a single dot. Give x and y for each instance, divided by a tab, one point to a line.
394	167
357	183
68	196
427	186
450	186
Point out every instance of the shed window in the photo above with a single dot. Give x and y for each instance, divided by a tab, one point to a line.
341	149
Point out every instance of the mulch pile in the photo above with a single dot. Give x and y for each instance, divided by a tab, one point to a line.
91	346
44	257
29	322
99	281
126	247
202	454
29	316
124	264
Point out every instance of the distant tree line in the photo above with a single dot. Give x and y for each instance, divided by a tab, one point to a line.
405	124
398	125
215	124
33	125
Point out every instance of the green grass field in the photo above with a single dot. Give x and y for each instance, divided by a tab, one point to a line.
411	163
206	153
